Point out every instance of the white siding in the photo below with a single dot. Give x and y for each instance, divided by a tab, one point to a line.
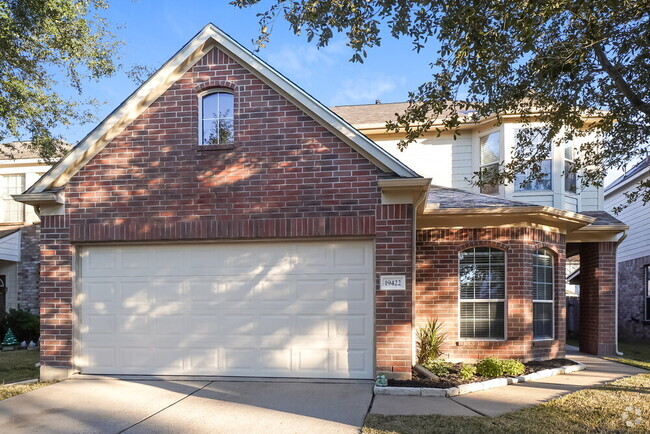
446	161
591	199
637	216
10	247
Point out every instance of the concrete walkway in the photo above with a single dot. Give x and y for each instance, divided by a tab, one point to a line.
105	405
494	402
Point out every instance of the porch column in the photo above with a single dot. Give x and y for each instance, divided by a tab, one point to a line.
598	298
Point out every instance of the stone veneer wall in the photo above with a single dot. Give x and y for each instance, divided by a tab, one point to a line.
29	268
631	299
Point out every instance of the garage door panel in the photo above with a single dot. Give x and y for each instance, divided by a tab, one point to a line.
266	309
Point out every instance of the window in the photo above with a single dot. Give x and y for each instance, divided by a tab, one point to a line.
12	211
217	119
543	295
570	177
647	293
544	182
482	293
490	157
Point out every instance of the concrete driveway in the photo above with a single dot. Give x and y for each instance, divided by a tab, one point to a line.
108	405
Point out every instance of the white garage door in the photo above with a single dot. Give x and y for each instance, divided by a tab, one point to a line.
275	309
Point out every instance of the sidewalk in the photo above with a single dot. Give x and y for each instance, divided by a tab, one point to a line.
494	402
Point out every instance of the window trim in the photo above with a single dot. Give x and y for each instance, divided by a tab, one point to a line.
551	301
565	174
480	156
485	300
22	205
516	185
200	96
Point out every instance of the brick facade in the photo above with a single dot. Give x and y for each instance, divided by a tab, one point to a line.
597	298
437	289
286	176
632	298
29	268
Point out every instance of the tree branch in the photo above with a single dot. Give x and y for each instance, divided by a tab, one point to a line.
619	81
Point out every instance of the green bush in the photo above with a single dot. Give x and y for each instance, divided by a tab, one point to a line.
492	368
467	372
430	339
512	368
25	325
438	367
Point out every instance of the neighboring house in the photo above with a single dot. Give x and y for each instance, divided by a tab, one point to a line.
222	221
19	230
633	255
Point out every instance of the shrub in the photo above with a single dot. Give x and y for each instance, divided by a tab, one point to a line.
466	371
430	339
438	367
492	367
25	325
512	368
489	368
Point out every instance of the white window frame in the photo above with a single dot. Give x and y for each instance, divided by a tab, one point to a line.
566	173
200	111
551	301
516	186
499	157
484	300
3	178
646	299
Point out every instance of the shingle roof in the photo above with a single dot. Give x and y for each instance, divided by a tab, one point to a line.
630	173
16	151
447	198
8	230
603	218
372	114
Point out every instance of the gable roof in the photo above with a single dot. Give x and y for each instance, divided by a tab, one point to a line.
631	174
208	38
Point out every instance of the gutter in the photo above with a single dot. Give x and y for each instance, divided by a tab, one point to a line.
618	243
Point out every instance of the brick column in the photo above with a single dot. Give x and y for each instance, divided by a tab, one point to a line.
394	309
597	298
56	298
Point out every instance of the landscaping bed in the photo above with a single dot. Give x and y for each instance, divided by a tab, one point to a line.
453	378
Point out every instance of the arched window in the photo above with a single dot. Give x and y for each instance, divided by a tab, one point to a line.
217	118
543	288
482	277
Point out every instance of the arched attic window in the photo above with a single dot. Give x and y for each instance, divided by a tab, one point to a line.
482	278
543	290
217	118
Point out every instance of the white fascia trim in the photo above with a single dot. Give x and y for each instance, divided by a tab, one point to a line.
171	71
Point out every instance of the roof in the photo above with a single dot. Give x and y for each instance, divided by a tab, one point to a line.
17	151
207	39
372	114
8	230
635	170
454	198
603	218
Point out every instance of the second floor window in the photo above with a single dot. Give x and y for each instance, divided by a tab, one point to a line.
217	119
570	176
12	211
544	181
490	158
482	277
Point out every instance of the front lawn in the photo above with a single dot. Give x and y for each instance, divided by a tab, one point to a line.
635	353
18	365
606	408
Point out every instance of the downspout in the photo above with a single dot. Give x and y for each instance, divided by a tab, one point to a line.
618	243
416	205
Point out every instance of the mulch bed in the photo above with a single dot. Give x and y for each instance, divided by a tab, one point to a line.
453	379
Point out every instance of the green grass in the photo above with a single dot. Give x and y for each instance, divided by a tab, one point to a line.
599	409
634	353
18	389
18	365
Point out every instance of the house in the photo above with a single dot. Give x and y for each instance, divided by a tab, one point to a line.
633	255
19	229
221	221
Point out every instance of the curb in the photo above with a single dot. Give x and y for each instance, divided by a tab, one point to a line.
33	380
476	387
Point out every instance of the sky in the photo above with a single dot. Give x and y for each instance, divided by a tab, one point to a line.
153	30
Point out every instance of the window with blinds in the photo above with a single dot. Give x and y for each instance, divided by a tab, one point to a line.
12	211
543	318
482	280
490	158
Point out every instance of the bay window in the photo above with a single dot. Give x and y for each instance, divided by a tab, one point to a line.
543	277
490	159
544	181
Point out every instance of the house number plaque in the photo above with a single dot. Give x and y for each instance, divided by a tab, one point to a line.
392	283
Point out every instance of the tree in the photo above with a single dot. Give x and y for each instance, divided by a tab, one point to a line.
580	68
45	44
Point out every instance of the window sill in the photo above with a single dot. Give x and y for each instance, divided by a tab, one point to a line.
541	340
470	340
216	147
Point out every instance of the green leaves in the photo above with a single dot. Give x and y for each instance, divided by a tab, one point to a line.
45	45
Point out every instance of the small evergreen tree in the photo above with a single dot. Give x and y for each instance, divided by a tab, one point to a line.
9	340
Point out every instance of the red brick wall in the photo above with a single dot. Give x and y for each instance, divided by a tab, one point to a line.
286	176
598	298
437	289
